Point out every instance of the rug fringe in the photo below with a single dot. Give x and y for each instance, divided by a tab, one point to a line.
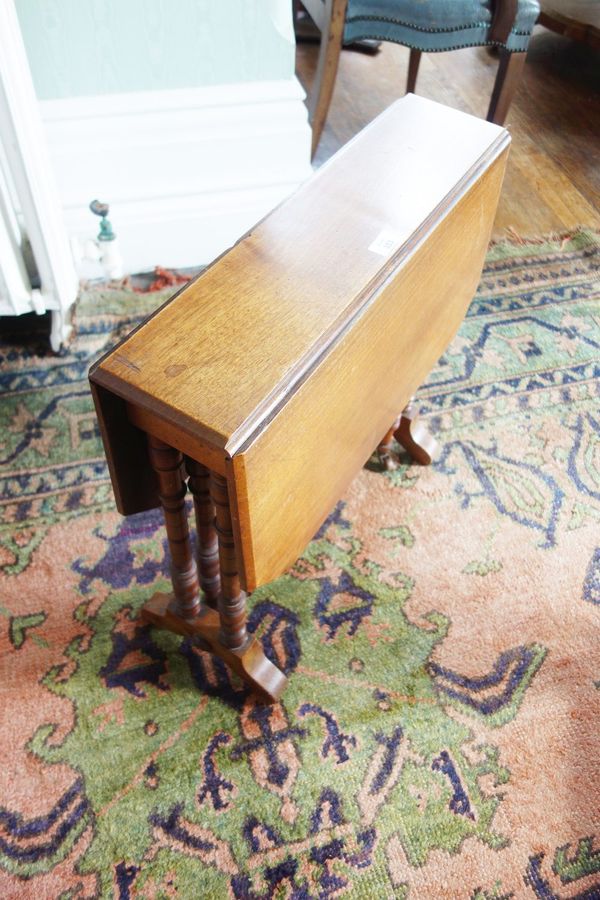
163	278
562	238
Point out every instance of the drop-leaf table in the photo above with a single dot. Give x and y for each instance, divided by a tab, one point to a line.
265	384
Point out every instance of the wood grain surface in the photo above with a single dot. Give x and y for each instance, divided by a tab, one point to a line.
290	476
222	356
282	366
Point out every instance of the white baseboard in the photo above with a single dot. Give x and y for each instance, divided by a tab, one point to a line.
185	172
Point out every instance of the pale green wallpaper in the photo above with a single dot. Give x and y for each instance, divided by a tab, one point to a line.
85	47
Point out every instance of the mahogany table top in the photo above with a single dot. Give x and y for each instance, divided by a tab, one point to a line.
285	362
225	352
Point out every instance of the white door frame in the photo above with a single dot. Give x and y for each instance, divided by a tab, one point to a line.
30	171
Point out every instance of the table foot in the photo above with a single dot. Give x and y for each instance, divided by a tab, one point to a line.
414	436
249	661
218	621
410	434
385	450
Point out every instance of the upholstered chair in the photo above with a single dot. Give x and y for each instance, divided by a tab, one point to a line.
424	26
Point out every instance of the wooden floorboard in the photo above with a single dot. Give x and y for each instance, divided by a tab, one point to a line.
553	178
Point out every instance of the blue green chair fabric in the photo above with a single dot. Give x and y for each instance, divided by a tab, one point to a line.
436	25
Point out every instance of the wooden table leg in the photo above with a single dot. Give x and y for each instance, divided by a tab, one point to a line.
252	664
384	450
167	462
223	631
206	533
412	435
232	602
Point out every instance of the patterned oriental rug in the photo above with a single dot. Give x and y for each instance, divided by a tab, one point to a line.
439	736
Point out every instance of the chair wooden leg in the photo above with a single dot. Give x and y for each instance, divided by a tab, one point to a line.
508	77
327	66
206	533
413	71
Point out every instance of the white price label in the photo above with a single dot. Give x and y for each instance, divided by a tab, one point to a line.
386	242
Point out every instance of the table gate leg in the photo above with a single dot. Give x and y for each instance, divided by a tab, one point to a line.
232	602
414	437
247	655
166	462
222	632
384	450
206	533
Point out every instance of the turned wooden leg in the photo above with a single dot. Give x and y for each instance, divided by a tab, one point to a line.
206	533
167	463
414	437
507	81
232	601
413	70
384	450
223	631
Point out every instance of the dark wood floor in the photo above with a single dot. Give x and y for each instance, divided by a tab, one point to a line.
553	177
